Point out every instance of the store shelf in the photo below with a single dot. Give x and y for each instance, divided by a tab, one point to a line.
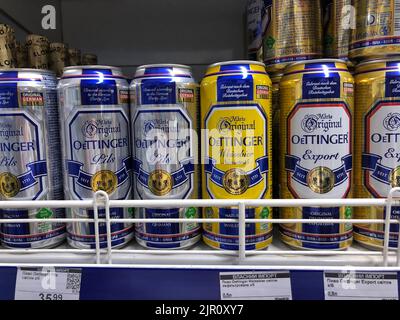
278	254
137	273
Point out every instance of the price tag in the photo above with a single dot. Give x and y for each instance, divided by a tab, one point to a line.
356	285
48	283
255	285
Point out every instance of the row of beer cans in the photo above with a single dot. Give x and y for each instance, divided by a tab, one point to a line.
283	31
239	135
39	53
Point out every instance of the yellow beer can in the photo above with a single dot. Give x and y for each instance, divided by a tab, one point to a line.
236	111
316	99
337	28
377	147
275	78
293	32
377	30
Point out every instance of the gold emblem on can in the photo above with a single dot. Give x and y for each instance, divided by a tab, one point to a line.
9	185
236	181
321	180
160	182
395	177
104	180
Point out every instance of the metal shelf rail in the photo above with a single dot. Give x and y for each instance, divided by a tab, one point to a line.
307	268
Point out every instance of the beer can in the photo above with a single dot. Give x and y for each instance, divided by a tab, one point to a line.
74	57
30	158
236	108
7	47
275	78
338	18
316	99
38	51
165	119
89	59
293	32
377	155
95	123
58	57
255	12
21	55
377	30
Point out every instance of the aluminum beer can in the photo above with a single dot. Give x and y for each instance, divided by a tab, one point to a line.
30	157
338	18
38	51
89	59
94	112
275	78
74	57
165	118
293	32
7	47
256	23
58	57
236	108
377	154
21	55
377	30
316	99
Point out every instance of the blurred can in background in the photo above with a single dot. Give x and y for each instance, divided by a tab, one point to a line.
7	47
293	32
38	51
58	57
74	57
377	30
89	59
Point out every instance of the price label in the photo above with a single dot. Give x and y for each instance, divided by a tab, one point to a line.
48	283
255	285
356	285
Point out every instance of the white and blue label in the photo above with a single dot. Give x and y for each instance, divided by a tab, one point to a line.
235	87
319	159
163	141
22	164
319	86
158	91
99	144
95	92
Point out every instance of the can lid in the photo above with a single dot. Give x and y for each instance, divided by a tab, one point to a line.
315	61
225	63
387	59
164	65
92	67
27	70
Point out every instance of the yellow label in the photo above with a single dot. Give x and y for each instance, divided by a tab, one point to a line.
237	150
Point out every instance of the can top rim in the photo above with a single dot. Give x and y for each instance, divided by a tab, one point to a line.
389	59
91	67
165	65
314	61
225	63
27	69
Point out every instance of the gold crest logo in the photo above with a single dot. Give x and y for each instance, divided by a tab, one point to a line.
104	180
160	182
9	185
395	177
236	181
321	180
